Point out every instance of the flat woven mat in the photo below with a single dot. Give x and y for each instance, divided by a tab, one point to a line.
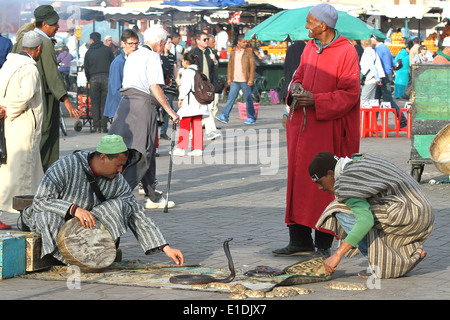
135	273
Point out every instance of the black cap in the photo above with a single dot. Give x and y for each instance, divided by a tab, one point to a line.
320	164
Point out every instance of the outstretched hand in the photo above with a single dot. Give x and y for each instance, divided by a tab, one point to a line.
175	255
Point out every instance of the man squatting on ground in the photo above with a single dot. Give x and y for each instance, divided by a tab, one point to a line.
65	193
379	210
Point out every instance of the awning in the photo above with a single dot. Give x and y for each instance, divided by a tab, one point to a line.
405	11
121	13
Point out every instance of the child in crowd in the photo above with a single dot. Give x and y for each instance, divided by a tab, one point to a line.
190	110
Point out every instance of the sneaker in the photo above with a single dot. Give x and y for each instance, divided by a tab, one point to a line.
213	135
222	119
250	121
164	136
195	153
141	189
161	204
291	250
179	152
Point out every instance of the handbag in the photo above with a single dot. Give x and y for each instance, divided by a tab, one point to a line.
362	77
399	65
3	154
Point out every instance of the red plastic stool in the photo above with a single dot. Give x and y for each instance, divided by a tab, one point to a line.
408	118
368	122
385	122
365	123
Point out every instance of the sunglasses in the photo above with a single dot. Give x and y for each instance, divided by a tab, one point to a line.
132	43
205	39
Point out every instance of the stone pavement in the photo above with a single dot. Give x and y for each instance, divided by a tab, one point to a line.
238	191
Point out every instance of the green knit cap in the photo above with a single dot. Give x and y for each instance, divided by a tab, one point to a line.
111	144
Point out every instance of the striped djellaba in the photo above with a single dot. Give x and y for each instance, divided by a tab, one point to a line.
403	215
65	183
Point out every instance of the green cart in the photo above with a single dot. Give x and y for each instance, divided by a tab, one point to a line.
430	111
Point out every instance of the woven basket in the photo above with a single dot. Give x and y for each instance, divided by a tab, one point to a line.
440	150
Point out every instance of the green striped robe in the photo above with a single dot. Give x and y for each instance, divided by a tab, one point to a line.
402	212
65	183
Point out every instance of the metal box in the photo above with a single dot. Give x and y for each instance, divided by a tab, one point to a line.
12	255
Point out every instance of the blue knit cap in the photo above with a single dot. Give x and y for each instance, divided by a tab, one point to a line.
325	13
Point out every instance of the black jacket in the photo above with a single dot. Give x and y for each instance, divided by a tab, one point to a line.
212	68
97	60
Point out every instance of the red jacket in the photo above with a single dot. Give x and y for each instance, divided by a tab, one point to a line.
332	124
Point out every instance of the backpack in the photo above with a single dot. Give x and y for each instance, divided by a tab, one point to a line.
203	89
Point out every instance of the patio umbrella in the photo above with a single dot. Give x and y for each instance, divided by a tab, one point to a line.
290	24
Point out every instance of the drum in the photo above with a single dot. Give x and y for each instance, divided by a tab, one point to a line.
93	250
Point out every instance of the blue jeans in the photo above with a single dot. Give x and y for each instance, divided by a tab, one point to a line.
164	127
385	91
234	91
347	221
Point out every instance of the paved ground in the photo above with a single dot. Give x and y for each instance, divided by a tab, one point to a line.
230	194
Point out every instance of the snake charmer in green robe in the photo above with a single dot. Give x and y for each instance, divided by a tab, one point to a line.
52	91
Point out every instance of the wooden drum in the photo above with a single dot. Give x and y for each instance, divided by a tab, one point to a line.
93	250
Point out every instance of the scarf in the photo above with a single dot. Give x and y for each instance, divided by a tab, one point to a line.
320	46
339	168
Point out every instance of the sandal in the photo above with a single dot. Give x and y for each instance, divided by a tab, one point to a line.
423	254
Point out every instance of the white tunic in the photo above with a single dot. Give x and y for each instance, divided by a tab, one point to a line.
20	92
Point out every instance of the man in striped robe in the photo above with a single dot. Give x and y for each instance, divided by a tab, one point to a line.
65	193
379	210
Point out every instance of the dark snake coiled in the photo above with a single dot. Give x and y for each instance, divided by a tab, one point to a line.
204	278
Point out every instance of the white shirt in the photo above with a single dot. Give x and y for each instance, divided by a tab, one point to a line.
142	69
222	41
371	61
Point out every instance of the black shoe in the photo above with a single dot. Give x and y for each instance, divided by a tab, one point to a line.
105	130
291	250
403	125
164	136
325	253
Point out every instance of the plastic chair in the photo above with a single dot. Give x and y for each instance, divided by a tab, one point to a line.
408	118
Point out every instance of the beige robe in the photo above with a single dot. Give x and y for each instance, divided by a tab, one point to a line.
20	92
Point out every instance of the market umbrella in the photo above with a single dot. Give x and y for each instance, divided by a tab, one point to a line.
290	24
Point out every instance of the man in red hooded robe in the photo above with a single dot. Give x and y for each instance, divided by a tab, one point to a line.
324	97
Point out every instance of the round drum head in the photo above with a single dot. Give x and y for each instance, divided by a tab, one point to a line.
91	249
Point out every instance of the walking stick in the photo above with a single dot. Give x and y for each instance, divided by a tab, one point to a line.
172	144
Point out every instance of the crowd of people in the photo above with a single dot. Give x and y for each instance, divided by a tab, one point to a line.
135	90
396	71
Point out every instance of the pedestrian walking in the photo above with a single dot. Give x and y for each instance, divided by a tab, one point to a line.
191	112
240	75
97	62
136	116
